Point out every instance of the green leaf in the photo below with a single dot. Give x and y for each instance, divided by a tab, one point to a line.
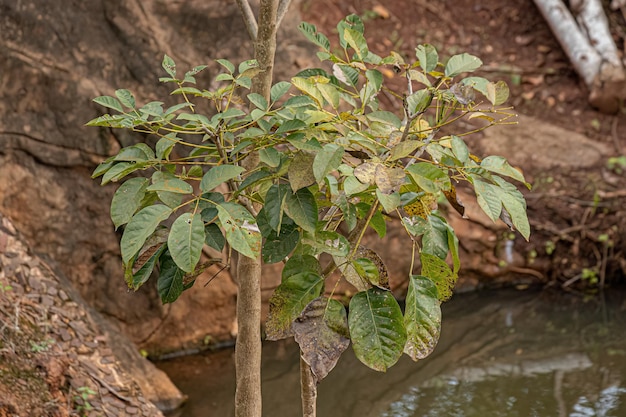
429	177
351	185
278	245
275	204
140	227
270	156
419	101
461	63
366	269
121	170
164	146
127	200
379	224
376	328
330	94
327	160
258	100
514	203
109	102
290	125
302	208
308	87
186	240
301	263
171	280
437	270
329	242
356	41
422	317
172	185
300	172
404	149
435	235
311	33
353	22
169	66
346	74
240	228
459	148
488	197
255	178
102	168
134	153
226	64
279	89
126	98
477	83
289	300
141	269
385	117
321	331
219	175
389	201
500	165
213	237
154	108
427	56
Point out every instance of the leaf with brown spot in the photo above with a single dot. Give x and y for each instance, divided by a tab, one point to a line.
322	333
366	172
422	207
300	171
152	245
389	180
454	201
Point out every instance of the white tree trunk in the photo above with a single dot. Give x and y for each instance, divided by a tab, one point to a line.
588	43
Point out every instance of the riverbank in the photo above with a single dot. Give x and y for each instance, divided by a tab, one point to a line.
57	357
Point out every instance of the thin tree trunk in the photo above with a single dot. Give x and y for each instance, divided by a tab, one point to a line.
248	344
265	47
308	390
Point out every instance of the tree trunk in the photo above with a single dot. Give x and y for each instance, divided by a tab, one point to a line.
248	345
308	390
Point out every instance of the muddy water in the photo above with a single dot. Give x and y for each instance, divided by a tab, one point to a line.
505	354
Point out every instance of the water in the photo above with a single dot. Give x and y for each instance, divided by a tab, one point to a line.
505	354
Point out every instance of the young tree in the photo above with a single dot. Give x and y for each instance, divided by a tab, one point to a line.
306	177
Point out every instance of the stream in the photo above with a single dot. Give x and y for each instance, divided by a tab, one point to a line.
501	354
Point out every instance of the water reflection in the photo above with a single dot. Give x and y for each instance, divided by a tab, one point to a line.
500	355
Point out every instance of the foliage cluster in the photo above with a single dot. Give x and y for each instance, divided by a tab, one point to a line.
332	164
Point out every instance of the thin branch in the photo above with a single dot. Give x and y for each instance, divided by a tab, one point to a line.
248	18
283	6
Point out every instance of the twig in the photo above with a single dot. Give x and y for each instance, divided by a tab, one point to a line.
527	271
612	194
158	326
110	388
248	18
614	133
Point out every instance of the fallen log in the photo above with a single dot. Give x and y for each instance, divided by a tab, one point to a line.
584	34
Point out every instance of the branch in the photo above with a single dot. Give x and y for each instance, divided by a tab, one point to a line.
283	6
248	18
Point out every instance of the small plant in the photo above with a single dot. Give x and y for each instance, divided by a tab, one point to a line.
41	346
617	164
81	400
306	172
